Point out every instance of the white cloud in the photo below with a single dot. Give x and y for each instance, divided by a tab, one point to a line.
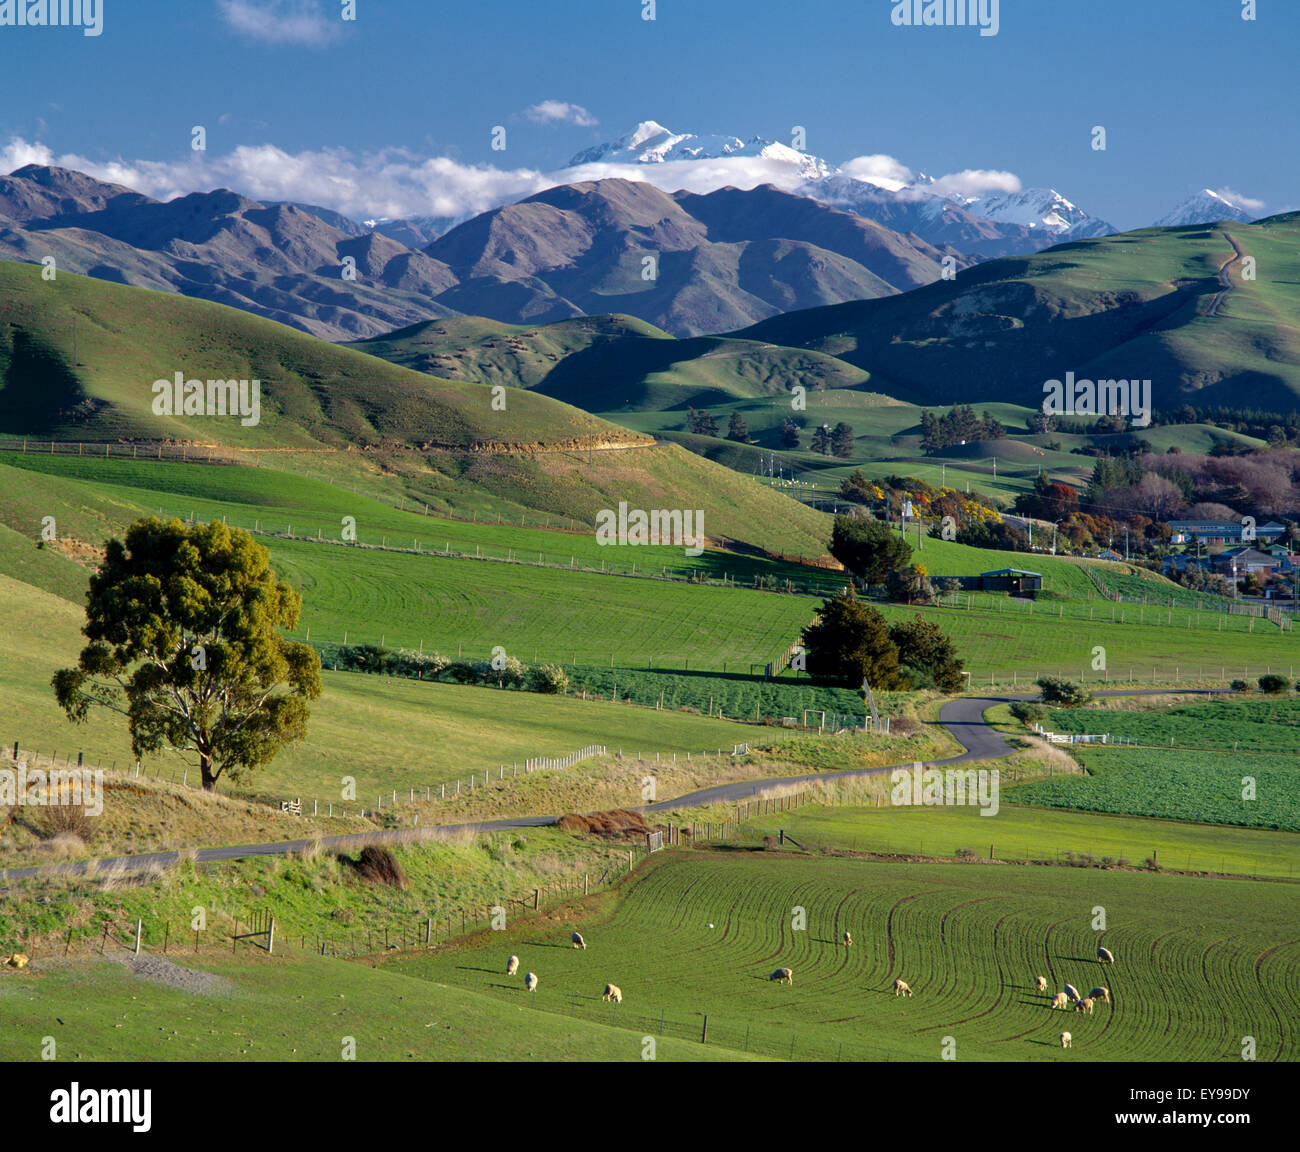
883	171
386	183
1237	200
692	175
396	182
18	153
280	21
558	112
975	182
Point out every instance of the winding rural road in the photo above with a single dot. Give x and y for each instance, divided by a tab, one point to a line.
1224	279
962	717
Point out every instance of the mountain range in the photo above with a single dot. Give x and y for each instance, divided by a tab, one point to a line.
686	263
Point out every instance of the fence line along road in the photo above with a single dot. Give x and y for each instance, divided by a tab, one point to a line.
963	718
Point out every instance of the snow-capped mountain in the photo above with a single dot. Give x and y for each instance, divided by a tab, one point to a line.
1206	207
1038	208
905	201
651	143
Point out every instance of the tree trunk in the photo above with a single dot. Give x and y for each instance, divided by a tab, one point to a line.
205	770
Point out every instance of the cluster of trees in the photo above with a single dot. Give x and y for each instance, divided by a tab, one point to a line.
851	642
837	441
704	424
880	557
956	425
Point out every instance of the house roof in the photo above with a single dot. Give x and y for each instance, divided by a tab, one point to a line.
1011	572
1248	555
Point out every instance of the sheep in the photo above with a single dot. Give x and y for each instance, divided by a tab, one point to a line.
1084	1005
1073	993
1042	983
784	975
1105	956
1102	994
902	988
530	982
613	992
18	960
512	965
578	941
1067	1041
1060	1000
848	939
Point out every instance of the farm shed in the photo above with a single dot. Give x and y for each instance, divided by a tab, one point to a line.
1013	580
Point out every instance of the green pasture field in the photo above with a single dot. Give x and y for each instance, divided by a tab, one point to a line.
97	497
1209	787
389	734
697	935
466	608
996	644
1245	723
294	1008
1022	832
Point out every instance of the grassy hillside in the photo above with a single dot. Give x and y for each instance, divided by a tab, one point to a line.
1139	304
313	394
431	732
609	363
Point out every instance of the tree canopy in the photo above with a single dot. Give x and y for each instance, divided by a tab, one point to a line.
849	642
868	548
183	623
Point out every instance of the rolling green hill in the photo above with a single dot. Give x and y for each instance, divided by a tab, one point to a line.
313	394
1139	304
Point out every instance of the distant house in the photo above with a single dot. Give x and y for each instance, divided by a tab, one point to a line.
1108	554
1221	532
1244	560
1013	580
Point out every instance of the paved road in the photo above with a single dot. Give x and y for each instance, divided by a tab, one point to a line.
962	717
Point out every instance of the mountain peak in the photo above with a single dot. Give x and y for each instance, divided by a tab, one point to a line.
1205	207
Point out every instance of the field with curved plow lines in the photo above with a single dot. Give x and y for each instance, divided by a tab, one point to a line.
1200	964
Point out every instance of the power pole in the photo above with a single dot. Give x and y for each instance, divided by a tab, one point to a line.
590	422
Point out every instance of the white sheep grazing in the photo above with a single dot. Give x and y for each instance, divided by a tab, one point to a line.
1060	1000
1042	983
1073	993
784	975
1067	1041
1102	994
902	988
1105	956
847	938
1084	1005
512	965
578	941
613	992
530	982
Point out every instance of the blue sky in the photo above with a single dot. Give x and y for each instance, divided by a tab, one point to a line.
392	113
